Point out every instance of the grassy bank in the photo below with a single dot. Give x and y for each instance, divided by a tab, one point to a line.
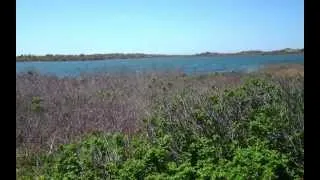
162	126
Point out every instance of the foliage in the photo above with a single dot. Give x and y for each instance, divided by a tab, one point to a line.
253	131
36	104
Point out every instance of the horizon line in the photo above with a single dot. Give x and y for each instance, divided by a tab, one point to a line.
182	54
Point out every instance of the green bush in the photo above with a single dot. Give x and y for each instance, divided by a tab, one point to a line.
254	131
36	104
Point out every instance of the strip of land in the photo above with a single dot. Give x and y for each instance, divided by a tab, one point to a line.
90	57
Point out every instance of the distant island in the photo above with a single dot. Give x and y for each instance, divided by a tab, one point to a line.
256	52
90	57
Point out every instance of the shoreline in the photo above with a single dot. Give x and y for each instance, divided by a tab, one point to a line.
277	68
116	56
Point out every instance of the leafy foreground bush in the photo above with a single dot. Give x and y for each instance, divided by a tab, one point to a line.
254	131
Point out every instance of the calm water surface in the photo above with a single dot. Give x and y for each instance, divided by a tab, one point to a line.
185	64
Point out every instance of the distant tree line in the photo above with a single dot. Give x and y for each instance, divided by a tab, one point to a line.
255	52
82	57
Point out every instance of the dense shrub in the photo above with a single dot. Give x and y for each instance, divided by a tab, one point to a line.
51	111
253	131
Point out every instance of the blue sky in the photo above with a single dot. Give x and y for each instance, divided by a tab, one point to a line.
162	26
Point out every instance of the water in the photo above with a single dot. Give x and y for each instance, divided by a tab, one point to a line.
185	64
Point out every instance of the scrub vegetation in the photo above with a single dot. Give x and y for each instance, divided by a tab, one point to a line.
161	125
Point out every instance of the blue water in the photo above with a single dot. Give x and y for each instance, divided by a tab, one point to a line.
184	64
